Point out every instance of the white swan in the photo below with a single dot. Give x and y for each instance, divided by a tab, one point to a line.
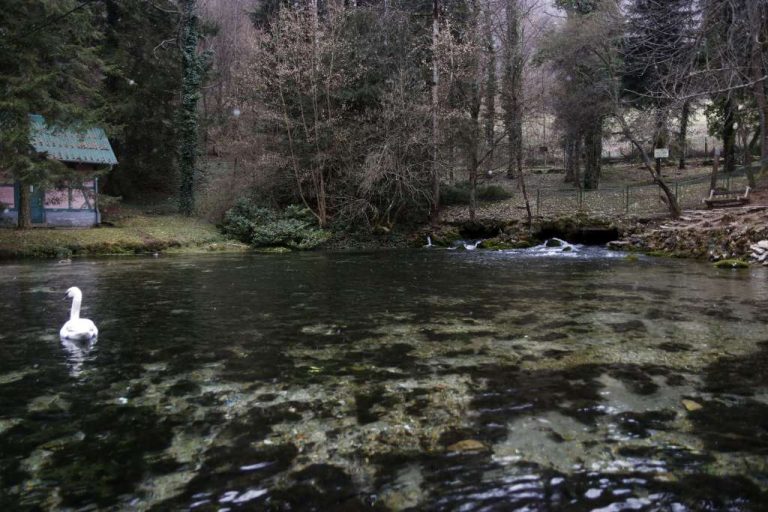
77	329
472	247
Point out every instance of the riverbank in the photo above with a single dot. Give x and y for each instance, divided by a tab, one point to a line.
719	235
725	234
716	235
134	233
722	234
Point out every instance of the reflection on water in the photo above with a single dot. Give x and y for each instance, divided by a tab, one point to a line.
431	380
78	351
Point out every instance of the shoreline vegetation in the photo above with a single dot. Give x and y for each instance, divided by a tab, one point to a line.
136	233
719	235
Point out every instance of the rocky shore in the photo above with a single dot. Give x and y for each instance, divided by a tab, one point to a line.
716	235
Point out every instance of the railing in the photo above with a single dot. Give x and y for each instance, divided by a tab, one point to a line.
637	199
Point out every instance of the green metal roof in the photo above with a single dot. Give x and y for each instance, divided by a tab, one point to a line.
89	146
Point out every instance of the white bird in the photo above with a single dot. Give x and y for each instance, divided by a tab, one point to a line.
77	329
472	247
429	242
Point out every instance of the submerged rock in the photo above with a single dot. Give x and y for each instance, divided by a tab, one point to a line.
553	242
690	405
467	445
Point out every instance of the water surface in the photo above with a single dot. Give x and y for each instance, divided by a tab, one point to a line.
423	380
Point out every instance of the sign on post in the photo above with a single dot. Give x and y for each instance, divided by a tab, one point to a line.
661	153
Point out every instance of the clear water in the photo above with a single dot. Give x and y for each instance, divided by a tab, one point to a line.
422	380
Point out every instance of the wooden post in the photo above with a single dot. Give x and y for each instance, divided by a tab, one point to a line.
715	163
626	198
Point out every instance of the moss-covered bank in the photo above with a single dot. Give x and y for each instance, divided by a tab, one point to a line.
136	234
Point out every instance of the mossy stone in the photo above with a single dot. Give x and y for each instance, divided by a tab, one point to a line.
733	263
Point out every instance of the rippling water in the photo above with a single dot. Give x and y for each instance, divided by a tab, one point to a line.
422	380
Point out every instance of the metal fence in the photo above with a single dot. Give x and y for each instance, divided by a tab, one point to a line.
631	199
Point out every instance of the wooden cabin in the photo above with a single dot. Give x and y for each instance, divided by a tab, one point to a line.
67	204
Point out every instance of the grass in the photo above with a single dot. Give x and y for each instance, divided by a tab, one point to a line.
550	197
135	233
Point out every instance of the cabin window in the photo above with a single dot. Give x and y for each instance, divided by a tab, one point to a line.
57	198
7	196
82	201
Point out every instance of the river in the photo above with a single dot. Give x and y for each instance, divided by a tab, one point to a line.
391	380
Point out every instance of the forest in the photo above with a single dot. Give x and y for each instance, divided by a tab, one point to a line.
364	114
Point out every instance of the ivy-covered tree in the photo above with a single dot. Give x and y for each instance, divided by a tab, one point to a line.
48	66
193	65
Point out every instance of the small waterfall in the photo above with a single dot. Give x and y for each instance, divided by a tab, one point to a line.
555	246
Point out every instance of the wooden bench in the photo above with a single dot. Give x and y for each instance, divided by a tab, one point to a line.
724	197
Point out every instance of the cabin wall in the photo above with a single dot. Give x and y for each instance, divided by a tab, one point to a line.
9	217
62	207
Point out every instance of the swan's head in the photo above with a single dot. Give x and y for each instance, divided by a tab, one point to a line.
73	292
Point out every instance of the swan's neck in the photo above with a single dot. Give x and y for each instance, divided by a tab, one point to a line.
74	313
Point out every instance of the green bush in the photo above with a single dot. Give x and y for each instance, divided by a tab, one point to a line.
492	193
293	227
458	194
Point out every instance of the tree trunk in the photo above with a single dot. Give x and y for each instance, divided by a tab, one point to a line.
435	212
762	108
25	213
568	150
683	135
322	209
715	165
578	149
512	89
743	132
475	102
573	160
671	200
757	16
490	90
472	159
747	153
661	136
192	71
521	185
729	137
593	147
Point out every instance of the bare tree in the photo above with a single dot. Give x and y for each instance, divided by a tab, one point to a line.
511	88
435	208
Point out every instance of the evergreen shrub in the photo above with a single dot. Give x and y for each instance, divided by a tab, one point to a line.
293	227
458	194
